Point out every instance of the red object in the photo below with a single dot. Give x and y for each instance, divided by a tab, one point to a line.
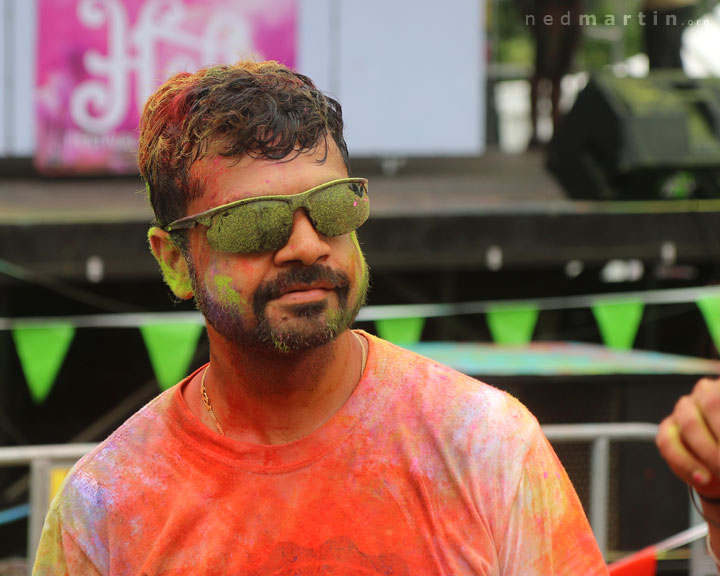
642	563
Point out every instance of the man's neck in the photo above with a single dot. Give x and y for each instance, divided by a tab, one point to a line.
271	398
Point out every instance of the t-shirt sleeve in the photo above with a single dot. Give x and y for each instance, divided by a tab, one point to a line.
58	553
547	533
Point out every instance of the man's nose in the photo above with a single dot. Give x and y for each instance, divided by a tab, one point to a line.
305	245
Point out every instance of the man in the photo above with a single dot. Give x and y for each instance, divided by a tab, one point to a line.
302	447
556	31
688	440
663	23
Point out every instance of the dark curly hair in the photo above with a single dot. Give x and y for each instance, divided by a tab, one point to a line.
260	109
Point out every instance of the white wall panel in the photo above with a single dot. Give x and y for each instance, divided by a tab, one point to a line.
23	73
4	78
314	42
411	76
17	74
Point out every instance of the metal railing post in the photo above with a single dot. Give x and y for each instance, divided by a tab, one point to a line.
600	436
39	472
600	491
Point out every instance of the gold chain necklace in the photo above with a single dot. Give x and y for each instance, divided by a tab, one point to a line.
363	351
208	404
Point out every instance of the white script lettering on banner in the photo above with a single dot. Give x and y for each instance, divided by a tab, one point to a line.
101	104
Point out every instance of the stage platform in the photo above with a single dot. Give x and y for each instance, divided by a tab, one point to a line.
498	211
559	360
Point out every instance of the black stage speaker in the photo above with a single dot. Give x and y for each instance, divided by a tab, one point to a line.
656	137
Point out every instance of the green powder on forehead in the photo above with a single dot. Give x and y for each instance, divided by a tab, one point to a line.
227	296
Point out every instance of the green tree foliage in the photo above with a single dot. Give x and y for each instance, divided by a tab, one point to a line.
611	32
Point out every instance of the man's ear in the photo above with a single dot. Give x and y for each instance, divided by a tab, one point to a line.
172	262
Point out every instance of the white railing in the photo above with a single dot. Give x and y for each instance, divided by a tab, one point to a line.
599	436
41	459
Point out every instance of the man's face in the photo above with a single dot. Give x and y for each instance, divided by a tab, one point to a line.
298	297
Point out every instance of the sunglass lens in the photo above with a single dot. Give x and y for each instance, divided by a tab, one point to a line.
340	209
253	227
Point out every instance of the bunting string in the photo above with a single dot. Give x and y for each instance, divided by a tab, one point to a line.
670	296
381	312
171	337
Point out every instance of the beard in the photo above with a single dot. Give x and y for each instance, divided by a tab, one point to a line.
299	327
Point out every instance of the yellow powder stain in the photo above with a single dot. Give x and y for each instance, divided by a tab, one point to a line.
174	269
227	296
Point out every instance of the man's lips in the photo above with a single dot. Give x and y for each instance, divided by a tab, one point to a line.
306	292
302	285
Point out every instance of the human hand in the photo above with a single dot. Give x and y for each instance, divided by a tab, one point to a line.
688	438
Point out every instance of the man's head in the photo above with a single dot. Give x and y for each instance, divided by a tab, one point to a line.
258	109
212	144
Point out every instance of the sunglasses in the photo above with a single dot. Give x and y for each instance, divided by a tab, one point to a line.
264	223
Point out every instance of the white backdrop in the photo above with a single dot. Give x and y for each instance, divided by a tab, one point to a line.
17	75
410	74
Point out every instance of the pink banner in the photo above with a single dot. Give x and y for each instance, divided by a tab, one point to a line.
99	60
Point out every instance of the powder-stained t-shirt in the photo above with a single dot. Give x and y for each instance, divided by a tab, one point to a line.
422	471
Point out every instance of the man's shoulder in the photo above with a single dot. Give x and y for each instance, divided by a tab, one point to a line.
437	387
461	417
124	444
398	361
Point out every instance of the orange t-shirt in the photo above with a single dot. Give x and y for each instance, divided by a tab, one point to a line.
422	471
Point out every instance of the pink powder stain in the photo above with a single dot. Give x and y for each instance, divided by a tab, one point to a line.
354	203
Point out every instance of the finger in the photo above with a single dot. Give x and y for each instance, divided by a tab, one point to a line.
695	434
707	396
681	461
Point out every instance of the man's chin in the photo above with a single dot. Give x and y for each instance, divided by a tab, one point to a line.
308	310
310	326
287	340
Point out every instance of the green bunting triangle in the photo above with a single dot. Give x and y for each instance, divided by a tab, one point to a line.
710	309
400	330
618	321
512	324
171	348
41	350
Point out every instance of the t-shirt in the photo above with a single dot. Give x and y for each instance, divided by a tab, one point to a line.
422	471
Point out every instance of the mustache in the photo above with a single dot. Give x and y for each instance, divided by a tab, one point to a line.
271	289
